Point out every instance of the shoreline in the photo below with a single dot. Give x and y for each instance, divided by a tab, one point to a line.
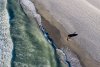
85	59
54	33
38	19
72	61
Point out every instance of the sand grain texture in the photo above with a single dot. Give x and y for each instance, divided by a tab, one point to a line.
69	17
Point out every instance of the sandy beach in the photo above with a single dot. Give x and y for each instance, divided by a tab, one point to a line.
75	16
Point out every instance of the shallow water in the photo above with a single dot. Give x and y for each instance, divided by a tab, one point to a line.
29	42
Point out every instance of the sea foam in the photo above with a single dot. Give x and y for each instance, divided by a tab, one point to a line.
6	45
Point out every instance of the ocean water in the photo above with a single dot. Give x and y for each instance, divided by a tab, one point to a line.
31	49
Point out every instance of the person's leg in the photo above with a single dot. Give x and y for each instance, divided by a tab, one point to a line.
68	38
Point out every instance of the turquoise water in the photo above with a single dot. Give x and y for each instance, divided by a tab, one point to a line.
30	47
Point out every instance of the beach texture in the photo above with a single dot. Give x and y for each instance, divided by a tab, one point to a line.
81	16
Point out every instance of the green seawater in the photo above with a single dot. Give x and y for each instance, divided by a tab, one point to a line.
31	49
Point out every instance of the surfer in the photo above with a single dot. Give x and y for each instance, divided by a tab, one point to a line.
72	35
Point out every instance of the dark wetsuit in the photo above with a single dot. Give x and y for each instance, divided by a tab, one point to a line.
72	35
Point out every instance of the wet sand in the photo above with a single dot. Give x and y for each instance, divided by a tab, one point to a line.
53	32
53	26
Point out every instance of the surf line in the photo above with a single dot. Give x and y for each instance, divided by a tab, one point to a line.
27	5
48	38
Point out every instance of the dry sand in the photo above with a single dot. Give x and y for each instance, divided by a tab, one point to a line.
81	17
